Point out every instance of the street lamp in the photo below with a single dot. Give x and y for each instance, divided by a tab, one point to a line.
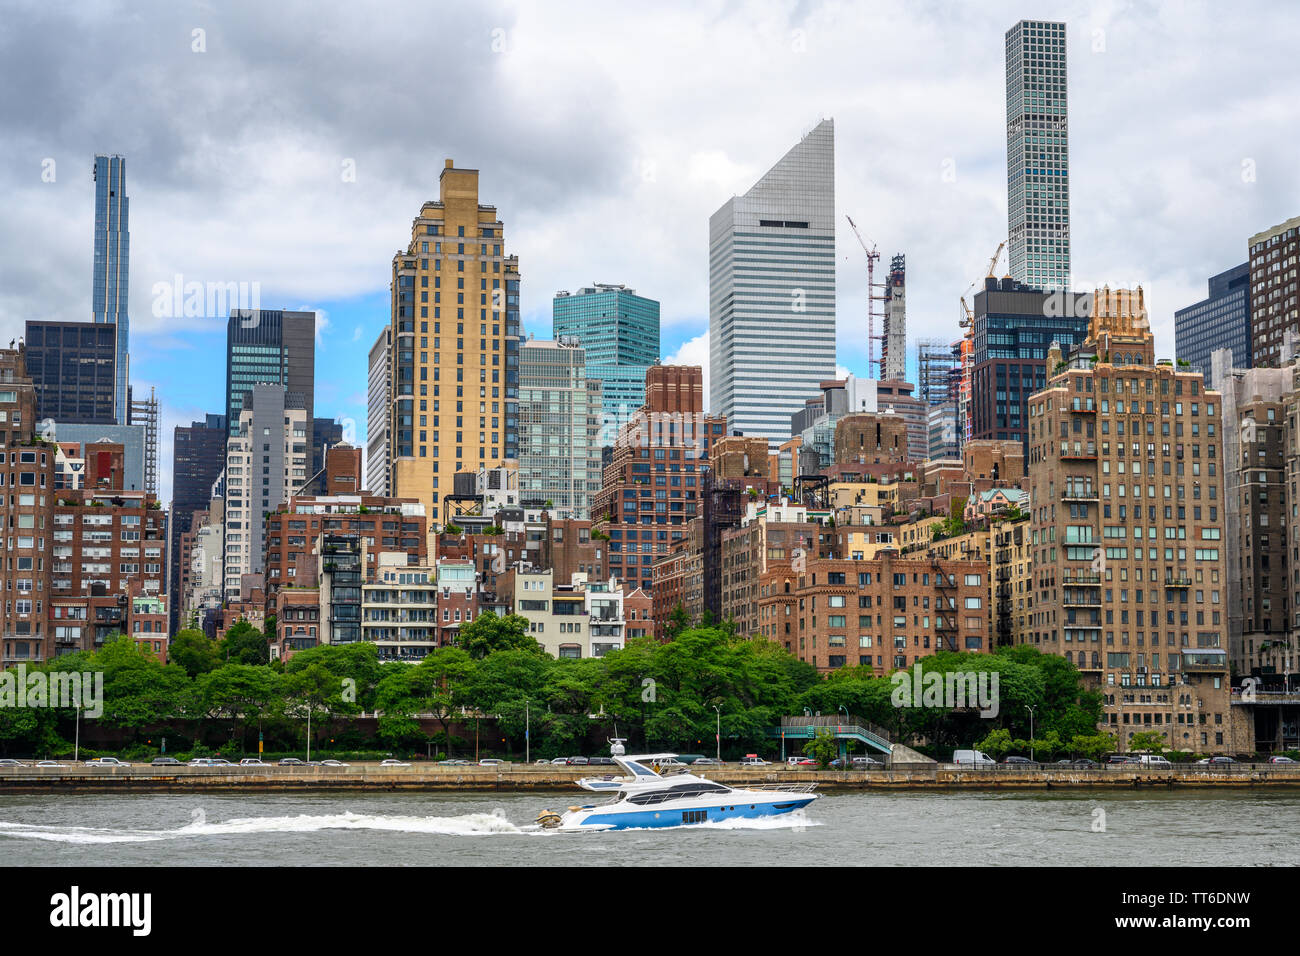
717	736
1030	708
528	754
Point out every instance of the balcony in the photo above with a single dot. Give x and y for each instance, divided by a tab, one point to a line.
1078	451
1076	494
1177	583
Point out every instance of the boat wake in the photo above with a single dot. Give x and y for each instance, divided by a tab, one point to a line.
470	824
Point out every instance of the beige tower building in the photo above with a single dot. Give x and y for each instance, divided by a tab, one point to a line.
454	363
1127	531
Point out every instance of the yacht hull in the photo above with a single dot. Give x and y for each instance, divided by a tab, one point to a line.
684	813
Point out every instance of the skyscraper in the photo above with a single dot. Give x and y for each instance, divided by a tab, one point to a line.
265	346
559	461
1038	155
378	388
1100	539
619	331
1221	321
893	351
1274	303
266	458
772	291
110	284
198	457
71	364
1015	327
455	344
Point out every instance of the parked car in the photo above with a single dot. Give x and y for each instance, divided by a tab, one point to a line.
220	762
455	763
1216	761
559	761
972	758
1079	763
393	763
576	761
165	762
800	762
292	762
203	762
1120	758
603	761
708	762
864	762
753	760
50	763
106	762
334	763
494	762
1024	763
253	762
689	758
9	762
1280	759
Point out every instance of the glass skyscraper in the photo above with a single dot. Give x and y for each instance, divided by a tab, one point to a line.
110	284
772	291
1221	321
1038	155
619	331
269	347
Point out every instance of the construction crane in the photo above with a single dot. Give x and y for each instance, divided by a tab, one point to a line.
996	256
968	317
872	298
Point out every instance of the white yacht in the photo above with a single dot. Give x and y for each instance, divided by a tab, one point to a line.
664	796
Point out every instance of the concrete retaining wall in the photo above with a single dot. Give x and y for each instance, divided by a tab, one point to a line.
371	777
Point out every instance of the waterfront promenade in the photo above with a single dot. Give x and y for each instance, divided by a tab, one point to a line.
524	777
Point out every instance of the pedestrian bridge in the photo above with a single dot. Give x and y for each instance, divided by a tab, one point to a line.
806	728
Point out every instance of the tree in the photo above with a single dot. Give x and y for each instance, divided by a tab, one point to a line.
997	744
1147	740
244	694
491	633
448	669
822	748
194	651
678	621
399	696
1093	746
244	644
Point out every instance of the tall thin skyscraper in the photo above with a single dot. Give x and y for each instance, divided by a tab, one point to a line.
772	291
110	284
1038	155
379	387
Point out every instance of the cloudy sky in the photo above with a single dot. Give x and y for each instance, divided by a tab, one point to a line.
291	144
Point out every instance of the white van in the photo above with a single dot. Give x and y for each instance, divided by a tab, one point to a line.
1154	760
972	758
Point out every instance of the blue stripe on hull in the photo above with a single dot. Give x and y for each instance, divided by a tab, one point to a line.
643	819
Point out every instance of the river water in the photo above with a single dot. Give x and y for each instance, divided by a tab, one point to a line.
1218	828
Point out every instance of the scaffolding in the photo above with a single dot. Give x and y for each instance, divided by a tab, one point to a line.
145	412
935	362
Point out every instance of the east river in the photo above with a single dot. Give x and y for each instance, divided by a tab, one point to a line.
1117	828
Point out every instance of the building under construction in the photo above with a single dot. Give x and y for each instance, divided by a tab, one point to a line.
935	362
893	341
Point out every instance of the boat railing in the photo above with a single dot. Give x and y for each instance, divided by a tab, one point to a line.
782	787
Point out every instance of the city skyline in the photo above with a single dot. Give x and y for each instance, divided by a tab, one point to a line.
938	195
